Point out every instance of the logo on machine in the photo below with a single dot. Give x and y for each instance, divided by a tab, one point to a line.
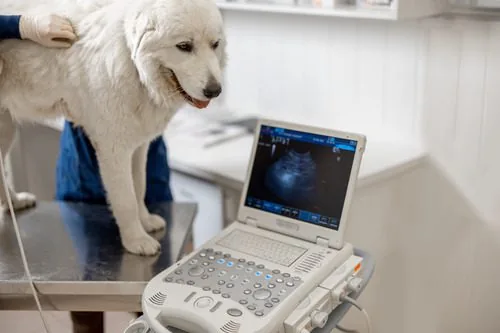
287	225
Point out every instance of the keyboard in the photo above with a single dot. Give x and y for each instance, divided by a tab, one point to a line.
262	247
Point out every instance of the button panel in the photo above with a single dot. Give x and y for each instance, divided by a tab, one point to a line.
250	284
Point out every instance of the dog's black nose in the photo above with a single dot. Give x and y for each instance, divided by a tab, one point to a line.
212	90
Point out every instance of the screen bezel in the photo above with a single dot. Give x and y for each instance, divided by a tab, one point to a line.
290	226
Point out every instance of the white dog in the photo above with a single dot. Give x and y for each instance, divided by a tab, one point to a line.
136	62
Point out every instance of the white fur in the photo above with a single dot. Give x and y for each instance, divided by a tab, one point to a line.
116	83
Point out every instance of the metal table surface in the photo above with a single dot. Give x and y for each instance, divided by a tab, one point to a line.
77	260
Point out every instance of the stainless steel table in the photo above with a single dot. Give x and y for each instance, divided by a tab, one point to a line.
76	258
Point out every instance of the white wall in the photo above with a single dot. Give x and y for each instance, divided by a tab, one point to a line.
462	109
436	261
360	75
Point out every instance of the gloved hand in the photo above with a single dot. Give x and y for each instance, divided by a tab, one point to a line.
47	30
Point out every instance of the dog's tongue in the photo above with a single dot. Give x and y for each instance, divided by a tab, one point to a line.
200	104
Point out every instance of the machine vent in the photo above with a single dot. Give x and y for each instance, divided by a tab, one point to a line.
309	263
230	327
158	299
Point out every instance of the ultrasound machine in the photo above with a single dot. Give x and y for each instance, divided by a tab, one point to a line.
283	266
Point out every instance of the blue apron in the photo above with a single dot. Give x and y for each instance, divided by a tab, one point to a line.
77	172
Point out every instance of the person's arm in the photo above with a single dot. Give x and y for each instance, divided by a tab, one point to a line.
9	27
46	30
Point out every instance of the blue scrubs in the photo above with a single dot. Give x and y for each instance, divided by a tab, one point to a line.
9	27
77	172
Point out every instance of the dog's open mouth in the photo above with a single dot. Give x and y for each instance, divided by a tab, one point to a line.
191	100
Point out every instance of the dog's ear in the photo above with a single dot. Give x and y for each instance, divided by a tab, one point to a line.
139	28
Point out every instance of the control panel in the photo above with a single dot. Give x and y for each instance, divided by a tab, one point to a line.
312	312
251	284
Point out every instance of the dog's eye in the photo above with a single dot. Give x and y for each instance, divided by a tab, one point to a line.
185	47
215	45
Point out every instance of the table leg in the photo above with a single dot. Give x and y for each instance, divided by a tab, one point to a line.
87	322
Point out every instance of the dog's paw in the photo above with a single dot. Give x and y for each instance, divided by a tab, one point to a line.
21	201
153	222
144	245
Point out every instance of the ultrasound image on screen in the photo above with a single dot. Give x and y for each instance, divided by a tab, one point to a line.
301	175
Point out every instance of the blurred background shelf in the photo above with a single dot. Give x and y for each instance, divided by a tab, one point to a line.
395	10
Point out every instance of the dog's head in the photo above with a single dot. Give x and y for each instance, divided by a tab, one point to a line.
178	48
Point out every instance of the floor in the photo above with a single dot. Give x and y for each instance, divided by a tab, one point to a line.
58	322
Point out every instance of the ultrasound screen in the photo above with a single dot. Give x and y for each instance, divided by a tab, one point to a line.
301	175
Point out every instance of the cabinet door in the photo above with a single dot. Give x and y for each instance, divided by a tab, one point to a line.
209	221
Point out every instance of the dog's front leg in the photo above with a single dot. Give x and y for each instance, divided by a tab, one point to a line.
115	164
150	222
